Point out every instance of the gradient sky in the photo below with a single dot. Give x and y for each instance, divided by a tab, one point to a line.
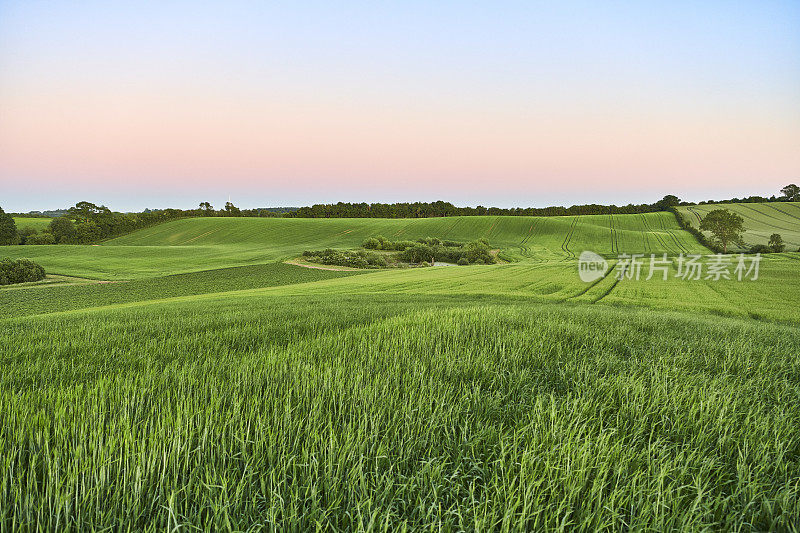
169	103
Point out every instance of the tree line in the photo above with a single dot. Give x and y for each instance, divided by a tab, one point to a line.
87	222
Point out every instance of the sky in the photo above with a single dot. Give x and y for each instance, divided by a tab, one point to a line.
170	103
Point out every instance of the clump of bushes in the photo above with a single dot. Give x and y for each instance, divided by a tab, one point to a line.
382	243
471	253
347	258
775	245
40	238
19	271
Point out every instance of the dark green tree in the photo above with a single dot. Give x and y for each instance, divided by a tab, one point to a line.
776	243
725	227
63	230
791	192
231	210
8	229
88	212
207	209
668	201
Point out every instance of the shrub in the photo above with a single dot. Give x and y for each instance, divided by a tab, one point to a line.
760	249
41	238
19	271
348	258
463	261
418	253
372	244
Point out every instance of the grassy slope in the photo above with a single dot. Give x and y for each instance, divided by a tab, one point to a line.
373	411
433	398
205	243
760	220
18	301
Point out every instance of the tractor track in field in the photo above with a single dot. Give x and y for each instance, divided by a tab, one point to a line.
198	236
658	236
614	242
531	230
644	232
695	213
750	217
568	238
455	223
611	288
784	212
681	248
593	284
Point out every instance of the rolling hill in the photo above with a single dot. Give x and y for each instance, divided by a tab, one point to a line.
760	220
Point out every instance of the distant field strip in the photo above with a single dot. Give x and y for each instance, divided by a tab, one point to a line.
760	220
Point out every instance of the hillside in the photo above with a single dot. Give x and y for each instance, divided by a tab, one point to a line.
760	220
204	243
430	386
532	237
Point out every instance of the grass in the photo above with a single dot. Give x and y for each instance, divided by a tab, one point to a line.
43	299
219	389
207	243
36	223
384	412
760	220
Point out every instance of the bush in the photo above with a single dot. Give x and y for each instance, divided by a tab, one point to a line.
348	258
372	244
463	261
419	253
19	271
41	238
760	249
473	252
63	230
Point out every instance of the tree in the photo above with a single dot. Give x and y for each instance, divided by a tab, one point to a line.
8	229
668	201
231	210
776	243
725	227
207	208
791	192
88	212
63	230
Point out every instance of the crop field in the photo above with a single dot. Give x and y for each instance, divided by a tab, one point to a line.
36	223
207	243
760	220
206	384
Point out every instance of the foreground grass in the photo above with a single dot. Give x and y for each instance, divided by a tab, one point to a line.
384	412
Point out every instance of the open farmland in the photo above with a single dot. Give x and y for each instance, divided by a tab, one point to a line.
211	383
760	220
205	243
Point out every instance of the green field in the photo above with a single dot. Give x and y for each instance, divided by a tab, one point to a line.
760	220
36	223
215	387
204	243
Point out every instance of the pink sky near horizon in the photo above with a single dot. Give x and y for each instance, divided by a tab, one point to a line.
201	132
